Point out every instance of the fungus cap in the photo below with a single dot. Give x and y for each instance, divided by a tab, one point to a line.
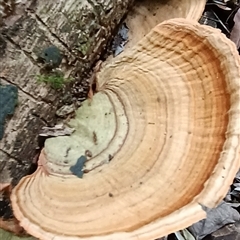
167	112
146	14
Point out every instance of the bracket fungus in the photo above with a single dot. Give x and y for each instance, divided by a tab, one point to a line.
161	137
146	14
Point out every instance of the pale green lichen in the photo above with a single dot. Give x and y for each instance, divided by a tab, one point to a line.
84	47
8	102
51	57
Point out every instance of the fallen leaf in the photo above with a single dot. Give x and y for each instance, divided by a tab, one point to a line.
217	218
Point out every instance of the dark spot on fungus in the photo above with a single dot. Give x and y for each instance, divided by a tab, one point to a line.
110	157
88	153
110	195
94	137
77	168
67	151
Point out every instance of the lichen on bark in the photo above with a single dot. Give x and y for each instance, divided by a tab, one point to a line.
8	101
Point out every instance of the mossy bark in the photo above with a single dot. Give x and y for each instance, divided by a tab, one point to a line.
81	30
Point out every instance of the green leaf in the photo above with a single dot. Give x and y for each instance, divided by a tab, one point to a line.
10	236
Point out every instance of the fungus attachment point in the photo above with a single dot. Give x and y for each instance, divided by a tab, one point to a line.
164	123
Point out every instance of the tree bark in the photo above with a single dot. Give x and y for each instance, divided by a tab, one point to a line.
81	30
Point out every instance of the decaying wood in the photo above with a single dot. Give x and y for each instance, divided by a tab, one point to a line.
81	30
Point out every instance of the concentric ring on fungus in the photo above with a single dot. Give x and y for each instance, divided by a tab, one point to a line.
167	112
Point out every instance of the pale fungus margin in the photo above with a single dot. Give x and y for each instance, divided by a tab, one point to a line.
173	135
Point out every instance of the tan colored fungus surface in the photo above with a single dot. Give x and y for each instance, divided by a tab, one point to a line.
168	112
146	14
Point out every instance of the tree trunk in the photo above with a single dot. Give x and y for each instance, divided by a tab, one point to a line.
81	31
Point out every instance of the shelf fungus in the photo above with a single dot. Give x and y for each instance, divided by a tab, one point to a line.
158	141
147	14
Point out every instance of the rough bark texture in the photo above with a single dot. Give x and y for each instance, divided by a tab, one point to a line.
81	30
